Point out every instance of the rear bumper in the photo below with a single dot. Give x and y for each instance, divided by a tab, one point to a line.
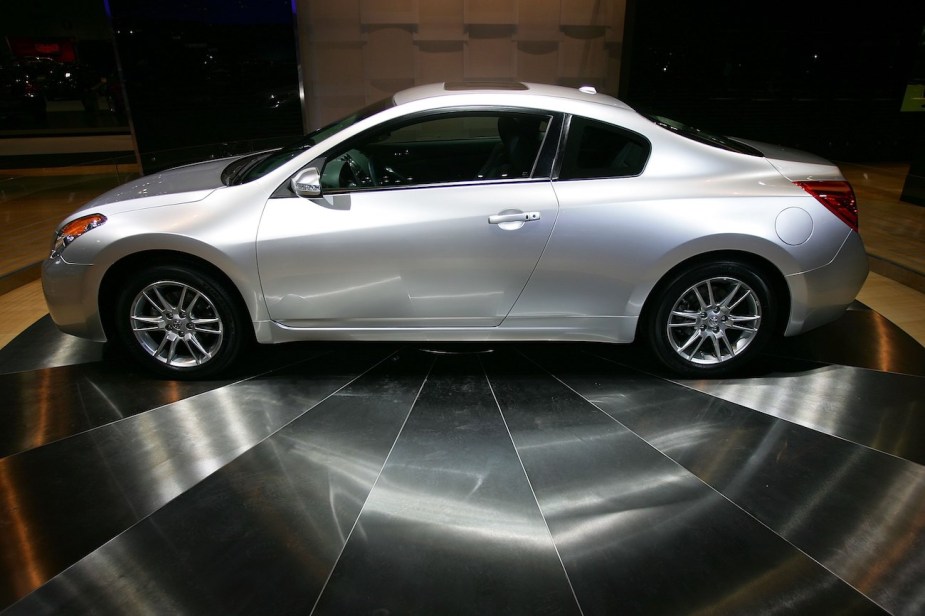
821	295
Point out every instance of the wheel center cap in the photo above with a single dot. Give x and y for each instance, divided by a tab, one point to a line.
713	320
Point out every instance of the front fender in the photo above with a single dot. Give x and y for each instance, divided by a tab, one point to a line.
228	242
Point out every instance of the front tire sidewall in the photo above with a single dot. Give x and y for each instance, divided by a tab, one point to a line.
659	317
233	325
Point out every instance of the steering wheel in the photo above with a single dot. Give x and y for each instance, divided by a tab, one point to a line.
359	170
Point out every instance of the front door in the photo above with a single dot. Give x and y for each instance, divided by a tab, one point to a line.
386	247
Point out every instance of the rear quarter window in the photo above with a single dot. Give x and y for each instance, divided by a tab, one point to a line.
595	149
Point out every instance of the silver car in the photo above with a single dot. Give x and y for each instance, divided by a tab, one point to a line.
464	212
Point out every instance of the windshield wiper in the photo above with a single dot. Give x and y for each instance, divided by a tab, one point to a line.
245	165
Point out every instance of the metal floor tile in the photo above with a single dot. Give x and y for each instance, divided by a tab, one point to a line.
516	479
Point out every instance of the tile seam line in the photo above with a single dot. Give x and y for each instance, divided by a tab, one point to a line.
385	462
147	516
775	417
708	486
162	406
526	475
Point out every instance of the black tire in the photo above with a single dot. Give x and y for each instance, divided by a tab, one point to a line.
179	322
711	319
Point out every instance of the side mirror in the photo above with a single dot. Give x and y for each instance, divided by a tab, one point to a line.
307	183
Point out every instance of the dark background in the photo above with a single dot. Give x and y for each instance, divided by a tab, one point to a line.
824	76
207	78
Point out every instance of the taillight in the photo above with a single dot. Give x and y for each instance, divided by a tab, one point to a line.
837	196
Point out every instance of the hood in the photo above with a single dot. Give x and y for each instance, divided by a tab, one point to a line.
795	165
180	185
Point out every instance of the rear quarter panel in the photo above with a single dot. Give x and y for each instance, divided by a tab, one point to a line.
616	238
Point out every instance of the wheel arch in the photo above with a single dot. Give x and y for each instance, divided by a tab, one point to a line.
774	277
120	271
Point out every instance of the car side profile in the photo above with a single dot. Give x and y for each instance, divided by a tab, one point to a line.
468	212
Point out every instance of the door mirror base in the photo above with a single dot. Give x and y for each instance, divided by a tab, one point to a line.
307	183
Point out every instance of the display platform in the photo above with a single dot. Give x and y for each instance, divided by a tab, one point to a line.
466	479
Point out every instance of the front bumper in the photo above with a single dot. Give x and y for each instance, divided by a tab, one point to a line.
821	296
72	292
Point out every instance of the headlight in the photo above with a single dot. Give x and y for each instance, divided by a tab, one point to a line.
74	229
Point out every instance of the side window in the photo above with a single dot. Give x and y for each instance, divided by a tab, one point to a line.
598	150
469	146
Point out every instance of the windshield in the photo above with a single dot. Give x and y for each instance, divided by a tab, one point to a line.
257	165
717	141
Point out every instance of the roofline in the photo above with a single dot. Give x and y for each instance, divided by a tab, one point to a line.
508	88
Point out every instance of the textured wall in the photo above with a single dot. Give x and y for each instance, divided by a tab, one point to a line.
354	52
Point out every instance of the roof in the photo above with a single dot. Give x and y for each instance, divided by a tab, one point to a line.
514	88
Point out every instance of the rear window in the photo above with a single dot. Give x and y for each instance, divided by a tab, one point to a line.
702	136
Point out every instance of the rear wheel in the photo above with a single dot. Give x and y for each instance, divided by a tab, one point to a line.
712	319
179	322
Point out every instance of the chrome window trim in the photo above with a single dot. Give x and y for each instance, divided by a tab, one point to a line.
539	164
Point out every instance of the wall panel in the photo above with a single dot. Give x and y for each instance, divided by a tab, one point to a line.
354	52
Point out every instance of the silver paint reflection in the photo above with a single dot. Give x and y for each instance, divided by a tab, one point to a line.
822	494
635	530
279	515
121	472
868	407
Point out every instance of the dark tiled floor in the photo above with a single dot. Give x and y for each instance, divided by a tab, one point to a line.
515	479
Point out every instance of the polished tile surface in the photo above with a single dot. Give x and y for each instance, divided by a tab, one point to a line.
502	479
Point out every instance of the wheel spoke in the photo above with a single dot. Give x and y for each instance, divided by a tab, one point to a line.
164	303
735	289
195	343
693	316
723	339
741	323
191	353
172	351
199	322
182	297
690	341
189	308
716	349
746	295
703	304
151	324
148	319
157	306
160	347
697	348
712	299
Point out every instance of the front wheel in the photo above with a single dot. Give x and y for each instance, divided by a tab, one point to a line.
711	319
179	322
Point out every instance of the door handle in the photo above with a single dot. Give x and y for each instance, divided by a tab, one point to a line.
497	219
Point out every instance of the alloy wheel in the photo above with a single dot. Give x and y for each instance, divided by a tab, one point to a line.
714	321
176	324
